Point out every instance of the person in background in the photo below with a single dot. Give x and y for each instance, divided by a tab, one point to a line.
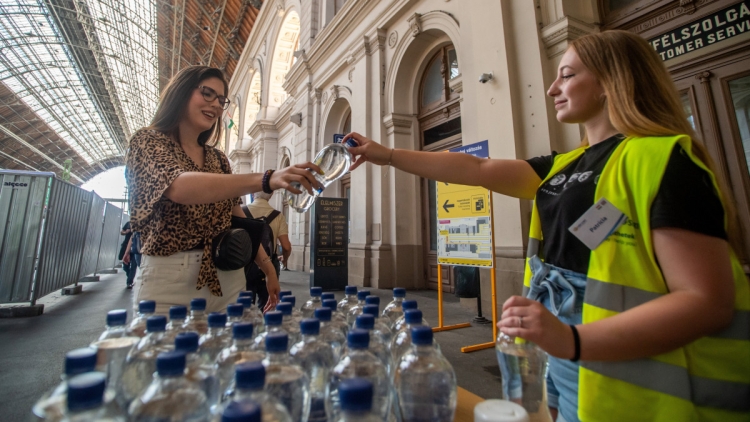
124	246
132	258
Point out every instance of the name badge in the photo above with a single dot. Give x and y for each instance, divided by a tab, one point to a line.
597	223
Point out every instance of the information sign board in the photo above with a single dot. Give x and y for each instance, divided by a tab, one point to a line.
329	254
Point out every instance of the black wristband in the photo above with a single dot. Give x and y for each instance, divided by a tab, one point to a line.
577	341
266	182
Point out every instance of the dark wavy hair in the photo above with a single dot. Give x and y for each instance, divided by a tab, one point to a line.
175	98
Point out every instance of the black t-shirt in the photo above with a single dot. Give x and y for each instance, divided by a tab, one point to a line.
686	199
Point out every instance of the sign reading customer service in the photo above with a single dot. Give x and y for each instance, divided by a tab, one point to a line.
724	24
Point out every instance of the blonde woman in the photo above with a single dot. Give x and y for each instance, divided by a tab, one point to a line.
652	323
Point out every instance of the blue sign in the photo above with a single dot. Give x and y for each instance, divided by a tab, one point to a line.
338	137
480	149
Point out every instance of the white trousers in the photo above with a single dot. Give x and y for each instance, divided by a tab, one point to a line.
171	280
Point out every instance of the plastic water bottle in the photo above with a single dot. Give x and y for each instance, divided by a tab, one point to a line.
241	350
393	311
285	379
274	320
235	312
197	321
355	396
217	338
359	362
116	324
334	161
327	296
251	313
289	322
356	310
137	327
248	385
141	361
316	358
244	411
380	326
425	381
85	400
177	317
336	315
292	300
330	333
284	293
405	305
402	340
170	396
199	371
313	303
523	368
349	300
52	405
377	346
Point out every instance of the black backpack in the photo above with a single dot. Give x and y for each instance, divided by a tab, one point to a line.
252	272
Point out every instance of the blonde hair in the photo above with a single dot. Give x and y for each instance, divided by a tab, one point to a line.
642	99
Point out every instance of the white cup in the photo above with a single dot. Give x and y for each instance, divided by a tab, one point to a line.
500	411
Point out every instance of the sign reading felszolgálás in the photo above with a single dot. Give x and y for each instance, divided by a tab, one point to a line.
724	24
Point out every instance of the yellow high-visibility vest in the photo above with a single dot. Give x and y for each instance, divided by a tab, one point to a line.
706	380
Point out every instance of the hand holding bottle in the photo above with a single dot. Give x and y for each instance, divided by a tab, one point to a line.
368	150
300	173
531	321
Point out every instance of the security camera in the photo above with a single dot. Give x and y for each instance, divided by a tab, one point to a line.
485	77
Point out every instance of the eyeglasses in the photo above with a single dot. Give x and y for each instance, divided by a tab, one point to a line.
209	95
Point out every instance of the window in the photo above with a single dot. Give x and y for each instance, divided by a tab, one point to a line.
740	91
442	68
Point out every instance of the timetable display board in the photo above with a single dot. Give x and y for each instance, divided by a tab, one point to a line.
329	252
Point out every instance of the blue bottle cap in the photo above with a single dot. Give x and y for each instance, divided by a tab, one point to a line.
235	310
284	293
365	322
399	292
86	391
242	330
170	363
80	361
327	296
285	308
358	339
373	310
156	323
249	375
316	291
323	314
372	300
350	290
330	303
241	411
273	318
310	326
413	316
355	395
198	304
351	143
421	335
177	312
147	306
187	342
117	317
277	342
409	304
217	319
289	299
246	301
362	294
246	293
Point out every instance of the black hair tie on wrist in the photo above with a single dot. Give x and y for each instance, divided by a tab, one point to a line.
577	341
266	182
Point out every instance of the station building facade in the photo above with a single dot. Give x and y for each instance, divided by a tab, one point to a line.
406	73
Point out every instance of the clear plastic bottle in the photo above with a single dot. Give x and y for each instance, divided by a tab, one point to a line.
292	300
336	315
425	381
197	321
116	324
405	305
171	396
85	400
334	161
290	323
177	317
359	362
199	371
241	350
242	411
317	358
356	310
216	338
349	300
380	325
523	369
286	380
248	385
141	361
393	311
330	333
137	327
113	348
315	302
274	321
235	312
402	340
355	396
377	346
251	313
52	405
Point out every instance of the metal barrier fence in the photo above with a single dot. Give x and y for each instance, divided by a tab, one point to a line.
51	234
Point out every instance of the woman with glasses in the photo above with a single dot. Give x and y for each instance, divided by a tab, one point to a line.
182	195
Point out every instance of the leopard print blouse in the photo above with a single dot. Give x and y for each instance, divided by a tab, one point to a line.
153	161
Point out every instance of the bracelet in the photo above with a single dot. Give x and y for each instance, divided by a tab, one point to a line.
266	182
390	159
577	341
